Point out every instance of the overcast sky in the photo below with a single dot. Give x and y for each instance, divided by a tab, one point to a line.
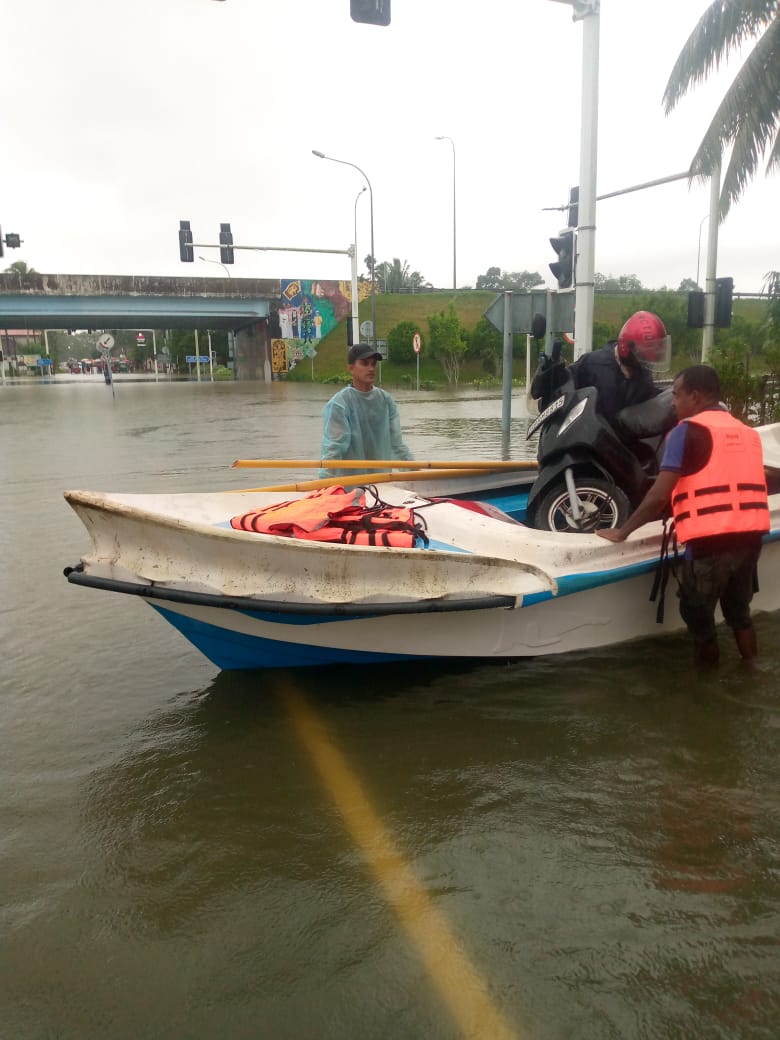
121	117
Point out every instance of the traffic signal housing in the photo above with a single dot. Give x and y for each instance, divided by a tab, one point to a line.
724	295
696	309
563	268
186	253
372	12
574	207
225	244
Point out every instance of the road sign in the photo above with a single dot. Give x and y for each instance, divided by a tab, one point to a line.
525	305
416	342
367	329
106	341
194	359
140	338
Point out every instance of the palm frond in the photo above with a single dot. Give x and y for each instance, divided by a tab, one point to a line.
772	284
723	27
747	120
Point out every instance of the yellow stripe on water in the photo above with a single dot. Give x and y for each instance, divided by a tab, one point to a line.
457	981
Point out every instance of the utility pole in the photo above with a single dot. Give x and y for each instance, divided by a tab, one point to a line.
708	332
588	13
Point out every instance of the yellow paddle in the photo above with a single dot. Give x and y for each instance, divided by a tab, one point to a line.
359	479
364	464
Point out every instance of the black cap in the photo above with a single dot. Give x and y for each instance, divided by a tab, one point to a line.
362	351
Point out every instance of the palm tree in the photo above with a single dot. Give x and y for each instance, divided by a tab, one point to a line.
396	276
748	117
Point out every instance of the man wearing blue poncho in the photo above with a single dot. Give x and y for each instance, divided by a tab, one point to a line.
361	421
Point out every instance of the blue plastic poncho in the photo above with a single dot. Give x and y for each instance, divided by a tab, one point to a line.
361	425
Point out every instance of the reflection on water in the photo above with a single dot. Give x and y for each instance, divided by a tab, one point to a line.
599	831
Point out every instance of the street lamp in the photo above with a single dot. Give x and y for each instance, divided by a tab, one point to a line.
356	202
321	155
209	261
454	211
355	319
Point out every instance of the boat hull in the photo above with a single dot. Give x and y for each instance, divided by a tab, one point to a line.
596	617
484	587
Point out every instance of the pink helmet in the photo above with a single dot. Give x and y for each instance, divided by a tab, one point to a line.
644	337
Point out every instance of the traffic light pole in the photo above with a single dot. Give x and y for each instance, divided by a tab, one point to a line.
586	231
351	252
708	332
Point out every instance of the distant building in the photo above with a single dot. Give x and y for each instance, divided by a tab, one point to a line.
18	341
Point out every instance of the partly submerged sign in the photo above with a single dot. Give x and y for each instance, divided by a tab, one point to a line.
523	306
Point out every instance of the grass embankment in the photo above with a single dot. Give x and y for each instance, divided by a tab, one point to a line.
470	306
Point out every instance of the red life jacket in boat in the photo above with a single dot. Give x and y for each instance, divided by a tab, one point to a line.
333	514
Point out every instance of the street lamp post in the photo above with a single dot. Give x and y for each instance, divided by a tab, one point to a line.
454	214
321	155
355	302
209	261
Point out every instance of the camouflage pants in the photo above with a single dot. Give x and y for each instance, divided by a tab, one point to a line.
728	578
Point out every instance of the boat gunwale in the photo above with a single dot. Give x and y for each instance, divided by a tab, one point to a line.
441	604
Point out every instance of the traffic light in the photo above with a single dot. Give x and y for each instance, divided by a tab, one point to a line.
696	310
225	244
724	293
574	207
186	254
13	241
372	12
563	269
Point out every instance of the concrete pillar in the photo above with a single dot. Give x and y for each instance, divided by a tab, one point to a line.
253	352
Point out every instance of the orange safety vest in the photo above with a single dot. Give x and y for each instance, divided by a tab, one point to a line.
728	495
334	514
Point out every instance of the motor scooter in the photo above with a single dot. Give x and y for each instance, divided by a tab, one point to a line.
591	474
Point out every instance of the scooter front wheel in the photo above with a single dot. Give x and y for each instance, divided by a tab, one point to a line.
602	504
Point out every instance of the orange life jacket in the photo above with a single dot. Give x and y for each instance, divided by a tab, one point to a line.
333	514
728	495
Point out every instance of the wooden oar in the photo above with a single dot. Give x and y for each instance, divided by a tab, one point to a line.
359	479
385	464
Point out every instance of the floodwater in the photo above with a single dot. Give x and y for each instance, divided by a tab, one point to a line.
577	848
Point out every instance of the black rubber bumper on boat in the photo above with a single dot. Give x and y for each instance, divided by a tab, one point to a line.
76	576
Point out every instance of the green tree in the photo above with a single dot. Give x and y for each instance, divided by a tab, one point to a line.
20	267
399	343
522	281
687	285
491	280
448	342
517	281
396	276
748	117
623	283
487	344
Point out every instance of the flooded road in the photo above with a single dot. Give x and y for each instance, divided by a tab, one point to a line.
585	846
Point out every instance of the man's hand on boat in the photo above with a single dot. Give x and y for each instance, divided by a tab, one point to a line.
650	508
612	534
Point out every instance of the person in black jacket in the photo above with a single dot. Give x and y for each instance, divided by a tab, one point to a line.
618	370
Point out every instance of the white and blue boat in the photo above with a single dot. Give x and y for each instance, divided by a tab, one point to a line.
484	586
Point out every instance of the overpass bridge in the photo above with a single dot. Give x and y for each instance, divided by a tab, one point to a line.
68	301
